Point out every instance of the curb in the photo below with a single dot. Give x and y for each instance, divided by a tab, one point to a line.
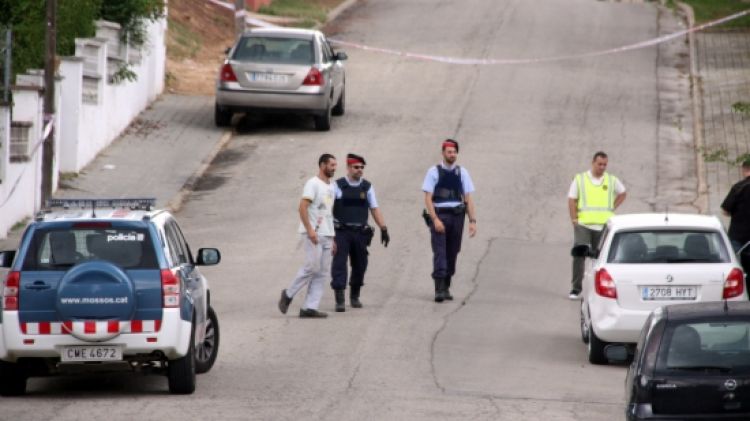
701	200
333	14
175	204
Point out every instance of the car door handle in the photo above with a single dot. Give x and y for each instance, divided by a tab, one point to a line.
38	285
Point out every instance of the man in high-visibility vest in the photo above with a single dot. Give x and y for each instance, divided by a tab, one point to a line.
592	199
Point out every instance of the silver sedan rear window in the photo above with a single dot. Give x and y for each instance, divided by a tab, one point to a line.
274	50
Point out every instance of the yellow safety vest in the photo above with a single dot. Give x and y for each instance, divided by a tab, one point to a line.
596	204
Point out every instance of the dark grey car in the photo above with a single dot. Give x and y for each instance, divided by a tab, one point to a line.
282	70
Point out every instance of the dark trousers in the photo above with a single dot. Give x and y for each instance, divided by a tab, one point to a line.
351	245
743	257
446	245
582	236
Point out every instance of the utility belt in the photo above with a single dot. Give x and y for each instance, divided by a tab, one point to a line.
455	210
365	229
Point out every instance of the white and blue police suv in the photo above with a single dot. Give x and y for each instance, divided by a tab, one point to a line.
106	284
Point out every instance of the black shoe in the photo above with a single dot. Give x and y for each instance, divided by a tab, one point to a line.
574	294
446	291
340	300
439	295
284	302
354	297
309	313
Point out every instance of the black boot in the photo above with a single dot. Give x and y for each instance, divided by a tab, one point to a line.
354	297
447	290
340	302
439	286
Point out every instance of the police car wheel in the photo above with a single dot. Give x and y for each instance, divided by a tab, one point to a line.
222	116
206	351
181	371
12	379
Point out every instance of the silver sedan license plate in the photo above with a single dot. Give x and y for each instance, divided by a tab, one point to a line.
91	353
268	77
666	293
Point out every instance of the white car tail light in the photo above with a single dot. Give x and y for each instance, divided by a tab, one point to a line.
735	284
604	284
170	287
227	74
313	78
10	291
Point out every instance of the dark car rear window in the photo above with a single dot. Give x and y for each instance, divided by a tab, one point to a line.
713	347
59	249
673	246
275	50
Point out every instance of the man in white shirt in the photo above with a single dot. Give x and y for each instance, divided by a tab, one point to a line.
593	197
316	228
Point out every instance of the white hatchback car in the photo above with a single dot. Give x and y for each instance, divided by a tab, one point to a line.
645	261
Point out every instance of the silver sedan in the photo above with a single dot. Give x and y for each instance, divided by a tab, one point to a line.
282	70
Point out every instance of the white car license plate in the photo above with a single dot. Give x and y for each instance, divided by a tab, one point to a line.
672	292
91	353
268	77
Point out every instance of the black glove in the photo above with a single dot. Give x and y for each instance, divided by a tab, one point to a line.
384	237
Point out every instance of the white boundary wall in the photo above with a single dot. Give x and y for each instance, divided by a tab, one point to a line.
91	112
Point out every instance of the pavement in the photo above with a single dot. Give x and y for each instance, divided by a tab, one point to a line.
162	154
723	60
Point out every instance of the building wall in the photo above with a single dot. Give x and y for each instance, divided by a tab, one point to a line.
91	112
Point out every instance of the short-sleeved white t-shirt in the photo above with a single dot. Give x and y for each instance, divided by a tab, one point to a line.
320	210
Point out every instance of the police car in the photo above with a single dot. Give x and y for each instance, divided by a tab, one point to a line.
106	284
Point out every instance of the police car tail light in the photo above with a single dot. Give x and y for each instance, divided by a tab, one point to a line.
735	284
313	78
170	287
604	284
10	291
227	73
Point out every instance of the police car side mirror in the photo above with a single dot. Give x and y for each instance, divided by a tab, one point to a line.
208	257
340	56
584	250
6	258
227	50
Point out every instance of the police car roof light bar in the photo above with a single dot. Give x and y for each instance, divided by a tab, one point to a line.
129	203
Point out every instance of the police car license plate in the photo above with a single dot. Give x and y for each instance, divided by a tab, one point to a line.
668	293
91	353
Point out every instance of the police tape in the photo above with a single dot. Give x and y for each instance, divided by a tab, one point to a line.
509	61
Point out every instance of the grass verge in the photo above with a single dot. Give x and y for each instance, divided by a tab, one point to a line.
708	10
309	12
182	43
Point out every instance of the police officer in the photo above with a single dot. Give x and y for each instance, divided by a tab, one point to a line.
737	206
448	198
355	196
592	199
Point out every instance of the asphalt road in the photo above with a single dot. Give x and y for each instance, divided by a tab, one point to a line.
508	347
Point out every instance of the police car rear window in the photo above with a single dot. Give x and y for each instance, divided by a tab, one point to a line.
61	249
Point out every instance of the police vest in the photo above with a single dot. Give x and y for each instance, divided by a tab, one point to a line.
352	206
596	204
449	187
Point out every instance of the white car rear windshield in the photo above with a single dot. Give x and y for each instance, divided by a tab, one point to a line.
61	249
676	246
274	50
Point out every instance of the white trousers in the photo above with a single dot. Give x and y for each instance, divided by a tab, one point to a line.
314	272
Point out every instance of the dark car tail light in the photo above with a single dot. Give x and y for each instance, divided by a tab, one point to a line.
227	73
735	284
170	287
313	78
10	291
604	284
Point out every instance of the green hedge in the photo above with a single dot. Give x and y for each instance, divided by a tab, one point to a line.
75	19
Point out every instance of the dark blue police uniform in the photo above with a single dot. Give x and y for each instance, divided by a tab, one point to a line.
353	235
